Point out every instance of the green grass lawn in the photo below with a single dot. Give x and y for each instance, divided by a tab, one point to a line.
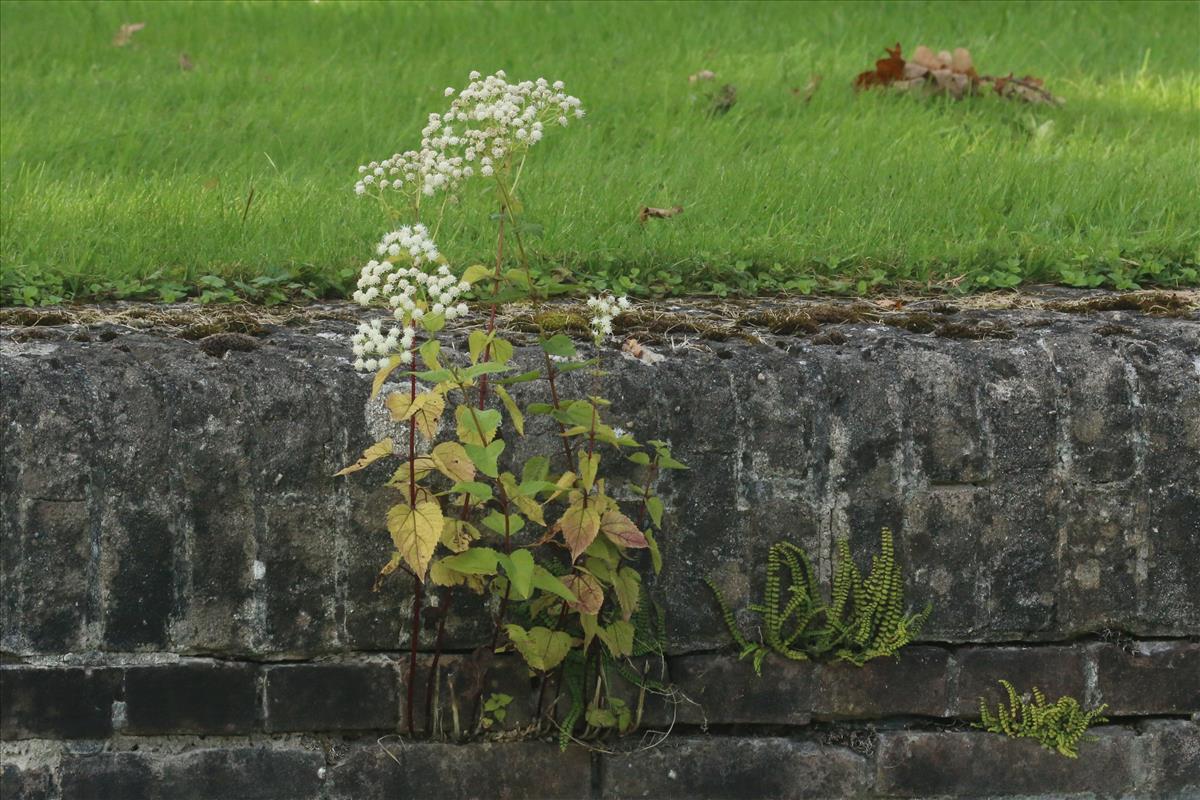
121	172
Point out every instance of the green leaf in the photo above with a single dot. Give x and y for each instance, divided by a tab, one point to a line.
474	561
546	581
429	354
640	458
539	408
486	368
618	638
475	343
628	585
571	366
433	322
471	422
655	555
495	521
519	567
589	464
591	626
542	648
514	413
476	272
601	718
559	345
502	350
524	377
484	458
655	507
480	491
535	469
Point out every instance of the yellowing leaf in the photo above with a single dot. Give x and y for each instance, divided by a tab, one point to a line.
476	426
371	454
423	466
457	535
514	413
415	532
628	585
402	406
388	569
426	408
529	507
618	637
589	464
587	589
475	272
382	375
620	530
542	648
579	526
453	462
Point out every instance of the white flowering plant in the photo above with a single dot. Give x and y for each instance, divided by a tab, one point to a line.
547	540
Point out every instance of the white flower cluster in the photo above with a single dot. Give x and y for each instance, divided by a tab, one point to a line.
487	121
404	282
604	308
372	347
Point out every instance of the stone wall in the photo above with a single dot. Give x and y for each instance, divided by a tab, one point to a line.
187	607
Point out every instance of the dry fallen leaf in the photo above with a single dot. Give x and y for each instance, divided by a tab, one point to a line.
724	99
886	70
125	33
185	63
810	88
633	349
702	75
658	213
947	73
1029	89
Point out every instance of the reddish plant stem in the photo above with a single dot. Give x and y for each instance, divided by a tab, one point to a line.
562	429
651	471
437	657
418	580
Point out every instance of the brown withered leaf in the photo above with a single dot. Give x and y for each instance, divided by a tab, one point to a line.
702	75
648	212
887	70
724	99
185	63
810	88
636	350
1028	89
124	34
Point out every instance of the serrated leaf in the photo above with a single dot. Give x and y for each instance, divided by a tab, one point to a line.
502	350
548	582
433	322
476	426
382	375
518	566
591	626
618	638
579	526
529	507
628	586
372	454
429	354
415	532
655	506
621	530
587	590
422	465
601	718
476	341
589	465
535	469
452	461
559	345
426	408
514	413
639	458
542	648
497	521
484	458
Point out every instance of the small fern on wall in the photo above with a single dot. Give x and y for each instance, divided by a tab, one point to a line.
1059	726
863	619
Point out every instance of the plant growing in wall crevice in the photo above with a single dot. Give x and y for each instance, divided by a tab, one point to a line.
864	617
1058	726
546	540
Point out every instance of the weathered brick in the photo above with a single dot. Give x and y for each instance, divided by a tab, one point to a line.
914	683
1173	760
26	783
1057	671
137	552
106	776
57	702
728	691
1156	678
514	771
191	698
329	697
246	773
720	768
980	764
458	693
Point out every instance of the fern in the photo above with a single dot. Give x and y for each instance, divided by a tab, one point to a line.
863	619
1059	726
